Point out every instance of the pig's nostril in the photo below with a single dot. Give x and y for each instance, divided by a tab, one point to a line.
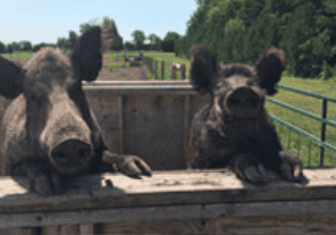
71	151
81	153
61	155
253	101
234	101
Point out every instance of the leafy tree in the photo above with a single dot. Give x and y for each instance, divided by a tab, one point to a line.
169	40
172	36
93	22
62	42
138	38
73	40
15	46
9	49
25	46
155	41
129	45
2	48
202	2
152	38
107	19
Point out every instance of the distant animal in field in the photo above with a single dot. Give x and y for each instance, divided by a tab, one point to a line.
50	133
234	129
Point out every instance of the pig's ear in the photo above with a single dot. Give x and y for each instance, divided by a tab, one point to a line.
87	57
269	68
203	68
11	77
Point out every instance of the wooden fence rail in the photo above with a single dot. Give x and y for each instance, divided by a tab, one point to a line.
172	202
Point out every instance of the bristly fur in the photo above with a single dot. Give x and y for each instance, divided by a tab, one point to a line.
234	128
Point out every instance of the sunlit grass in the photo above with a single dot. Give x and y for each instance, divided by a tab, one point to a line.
20	55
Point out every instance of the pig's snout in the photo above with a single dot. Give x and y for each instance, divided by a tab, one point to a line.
243	102
67	140
71	156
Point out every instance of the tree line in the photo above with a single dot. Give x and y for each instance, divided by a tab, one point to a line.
68	43
239	30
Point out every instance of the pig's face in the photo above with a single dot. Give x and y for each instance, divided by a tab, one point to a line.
55	122
239	96
52	113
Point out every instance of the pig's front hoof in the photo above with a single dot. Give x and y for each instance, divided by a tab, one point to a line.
47	184
42	185
291	167
134	166
249	168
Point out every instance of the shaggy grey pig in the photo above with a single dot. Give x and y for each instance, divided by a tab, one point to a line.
234	129
50	134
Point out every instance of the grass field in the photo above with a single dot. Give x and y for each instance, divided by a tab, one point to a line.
308	151
19	55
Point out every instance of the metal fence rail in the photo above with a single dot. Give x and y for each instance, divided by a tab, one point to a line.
319	141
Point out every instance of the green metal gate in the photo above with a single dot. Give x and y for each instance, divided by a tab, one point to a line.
321	142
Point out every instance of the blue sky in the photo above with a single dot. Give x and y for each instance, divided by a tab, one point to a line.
43	21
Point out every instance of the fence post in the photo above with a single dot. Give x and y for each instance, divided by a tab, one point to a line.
324	115
162	70
155	69
183	72
173	71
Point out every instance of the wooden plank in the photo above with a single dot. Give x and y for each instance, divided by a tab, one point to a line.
19	231
186	117
163	188
86	229
60	229
133	83
120	117
293	224
180	212
142	89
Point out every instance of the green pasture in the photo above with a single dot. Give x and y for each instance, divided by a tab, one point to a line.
308	151
20	55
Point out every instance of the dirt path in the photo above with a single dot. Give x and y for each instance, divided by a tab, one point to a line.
128	73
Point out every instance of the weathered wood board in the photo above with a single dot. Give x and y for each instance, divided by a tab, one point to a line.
196	202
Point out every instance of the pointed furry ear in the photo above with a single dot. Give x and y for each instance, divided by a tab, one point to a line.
87	57
269	68
11	77
203	68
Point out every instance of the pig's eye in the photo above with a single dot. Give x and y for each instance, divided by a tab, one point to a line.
234	101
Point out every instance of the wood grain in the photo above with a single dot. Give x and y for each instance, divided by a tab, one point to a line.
168	196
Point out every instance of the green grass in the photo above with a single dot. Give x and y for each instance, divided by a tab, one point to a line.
168	59
20	55
118	60
308	151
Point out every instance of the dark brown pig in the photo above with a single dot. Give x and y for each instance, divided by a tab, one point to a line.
234	129
50	134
